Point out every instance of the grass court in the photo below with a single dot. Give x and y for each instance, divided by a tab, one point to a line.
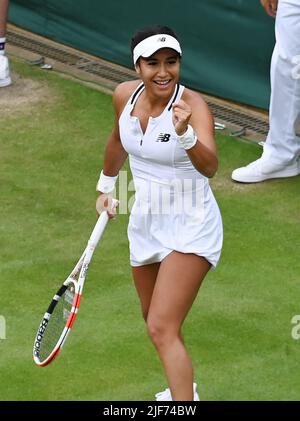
239	330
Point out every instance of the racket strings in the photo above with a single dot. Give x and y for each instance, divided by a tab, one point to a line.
56	323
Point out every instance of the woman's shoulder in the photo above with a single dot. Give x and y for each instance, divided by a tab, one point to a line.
123	92
195	100
192	97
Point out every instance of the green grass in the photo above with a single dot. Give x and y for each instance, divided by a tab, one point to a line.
239	329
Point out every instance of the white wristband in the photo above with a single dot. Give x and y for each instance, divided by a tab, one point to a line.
106	184
188	139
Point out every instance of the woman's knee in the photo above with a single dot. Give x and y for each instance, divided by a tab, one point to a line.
160	333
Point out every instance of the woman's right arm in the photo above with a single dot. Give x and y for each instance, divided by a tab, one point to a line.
114	154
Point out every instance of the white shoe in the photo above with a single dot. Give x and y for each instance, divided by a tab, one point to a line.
196	396
261	170
165	395
5	79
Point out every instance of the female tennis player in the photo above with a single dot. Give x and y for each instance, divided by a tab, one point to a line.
175	227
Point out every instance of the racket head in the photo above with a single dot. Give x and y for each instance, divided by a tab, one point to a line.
56	323
60	316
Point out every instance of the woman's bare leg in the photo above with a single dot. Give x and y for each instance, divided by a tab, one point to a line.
176	287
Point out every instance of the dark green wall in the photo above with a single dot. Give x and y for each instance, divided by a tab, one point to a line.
227	44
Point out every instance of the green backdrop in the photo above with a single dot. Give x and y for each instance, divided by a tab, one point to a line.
227	44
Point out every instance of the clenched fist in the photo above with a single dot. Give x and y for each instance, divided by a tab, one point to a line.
181	116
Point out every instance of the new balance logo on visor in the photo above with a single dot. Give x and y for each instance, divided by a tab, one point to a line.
162	39
163	137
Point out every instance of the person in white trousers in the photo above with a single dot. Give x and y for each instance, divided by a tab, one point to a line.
5	79
281	151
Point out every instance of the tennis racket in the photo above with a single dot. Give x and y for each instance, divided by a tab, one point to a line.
61	313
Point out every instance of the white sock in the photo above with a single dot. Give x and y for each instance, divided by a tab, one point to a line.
2	45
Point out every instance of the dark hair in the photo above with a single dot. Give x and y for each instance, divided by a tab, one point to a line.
148	31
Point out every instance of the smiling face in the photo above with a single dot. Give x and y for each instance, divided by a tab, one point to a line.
160	72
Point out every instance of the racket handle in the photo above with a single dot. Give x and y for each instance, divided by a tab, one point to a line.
99	229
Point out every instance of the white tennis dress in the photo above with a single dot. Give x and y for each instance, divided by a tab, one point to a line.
174	207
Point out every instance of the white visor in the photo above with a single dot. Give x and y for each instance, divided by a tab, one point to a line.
150	45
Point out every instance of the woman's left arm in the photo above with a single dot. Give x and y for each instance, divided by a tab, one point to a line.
194	111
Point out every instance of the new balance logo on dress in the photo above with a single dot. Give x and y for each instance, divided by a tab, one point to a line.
163	137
